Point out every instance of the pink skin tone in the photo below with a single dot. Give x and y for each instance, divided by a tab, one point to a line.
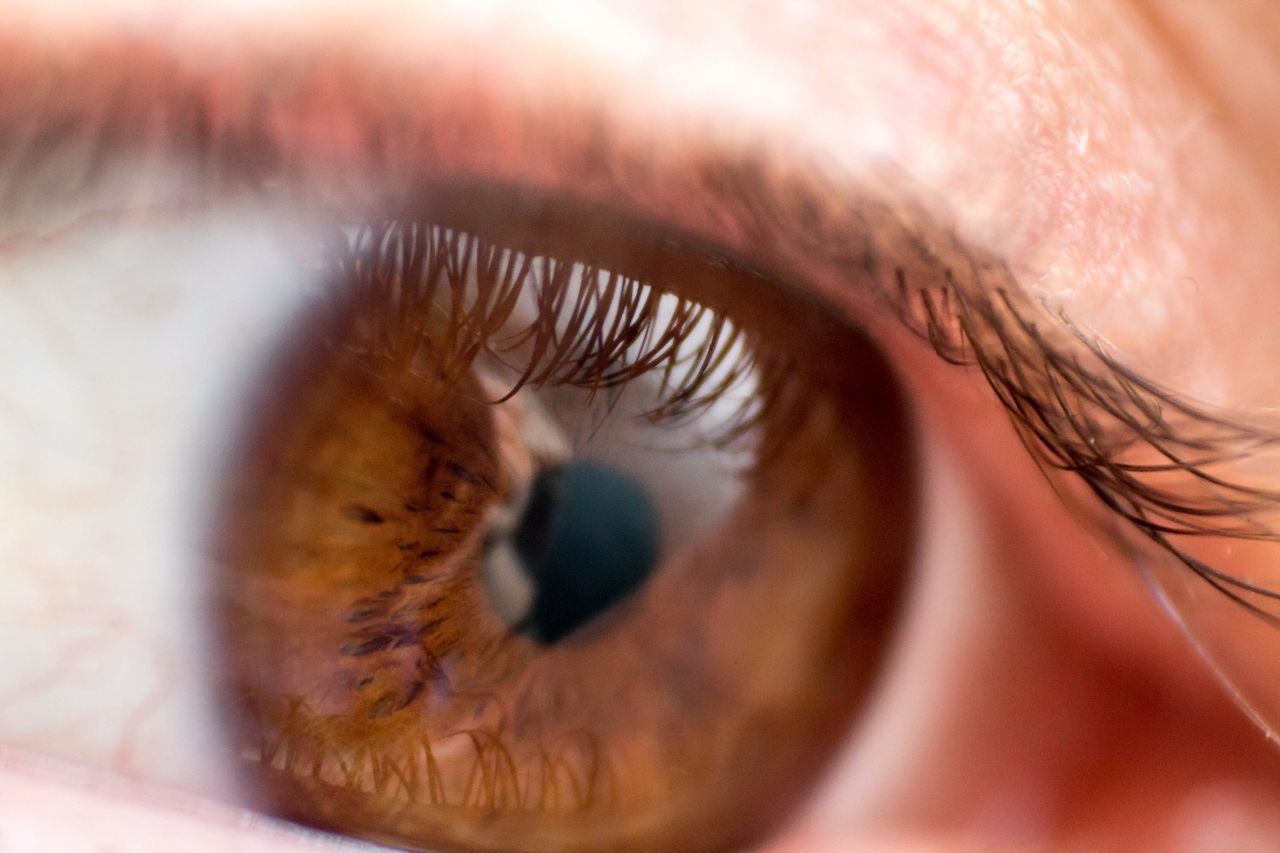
1111	152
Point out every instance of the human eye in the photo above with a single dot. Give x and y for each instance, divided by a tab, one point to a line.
334	182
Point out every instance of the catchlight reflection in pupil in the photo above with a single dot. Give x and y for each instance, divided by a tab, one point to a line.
551	530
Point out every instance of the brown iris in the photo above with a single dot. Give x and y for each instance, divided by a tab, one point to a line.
386	680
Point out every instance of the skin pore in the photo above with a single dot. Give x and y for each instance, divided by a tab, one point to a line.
1116	157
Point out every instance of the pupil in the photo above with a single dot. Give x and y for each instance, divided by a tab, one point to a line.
588	538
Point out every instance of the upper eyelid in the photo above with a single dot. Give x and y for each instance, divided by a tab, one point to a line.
1079	408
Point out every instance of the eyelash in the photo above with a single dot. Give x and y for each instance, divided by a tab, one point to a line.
600	338
1085	413
1080	413
1076	407
596	338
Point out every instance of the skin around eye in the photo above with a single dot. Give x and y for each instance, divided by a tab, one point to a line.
384	685
1139	191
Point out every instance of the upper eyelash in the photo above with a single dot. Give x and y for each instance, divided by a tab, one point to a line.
1081	410
1076	407
598	338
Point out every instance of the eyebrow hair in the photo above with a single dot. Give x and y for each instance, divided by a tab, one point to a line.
1151	456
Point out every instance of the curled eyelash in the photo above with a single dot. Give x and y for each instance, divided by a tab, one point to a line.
584	326
1079	409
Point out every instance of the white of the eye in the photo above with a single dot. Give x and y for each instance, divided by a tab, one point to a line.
126	351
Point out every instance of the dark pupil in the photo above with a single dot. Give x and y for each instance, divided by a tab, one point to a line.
588	538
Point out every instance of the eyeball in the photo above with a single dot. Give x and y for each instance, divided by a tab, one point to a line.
551	531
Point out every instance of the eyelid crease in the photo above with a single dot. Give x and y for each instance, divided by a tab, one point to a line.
339	134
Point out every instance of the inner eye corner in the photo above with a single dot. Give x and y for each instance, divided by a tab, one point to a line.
534	546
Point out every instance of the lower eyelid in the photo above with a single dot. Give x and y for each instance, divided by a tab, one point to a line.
37	795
